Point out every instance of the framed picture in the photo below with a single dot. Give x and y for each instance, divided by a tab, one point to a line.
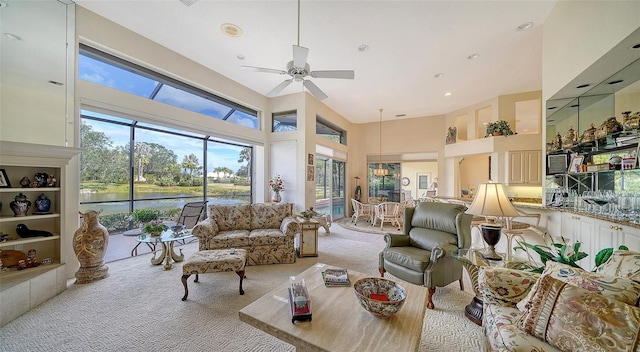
310	159
4	179
310	172
575	165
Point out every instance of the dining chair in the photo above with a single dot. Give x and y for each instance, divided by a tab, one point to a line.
360	210
387	212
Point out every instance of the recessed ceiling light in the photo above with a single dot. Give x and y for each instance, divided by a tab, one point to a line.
12	36
552	107
188	2
635	47
231	30
401	115
447	94
240	57
363	47
56	83
616	81
473	56
438	75
523	27
583	85
574	106
3	4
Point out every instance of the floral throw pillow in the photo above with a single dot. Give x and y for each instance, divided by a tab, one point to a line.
571	318
621	289
622	264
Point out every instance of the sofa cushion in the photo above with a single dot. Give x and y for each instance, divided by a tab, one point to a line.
263	237
231	217
230	239
621	289
574	319
622	264
269	216
413	258
503	333
503	286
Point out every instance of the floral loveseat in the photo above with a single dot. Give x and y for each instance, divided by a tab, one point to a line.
564	308
266	231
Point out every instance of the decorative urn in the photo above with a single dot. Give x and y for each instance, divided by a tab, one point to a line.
569	138
43	204
20	205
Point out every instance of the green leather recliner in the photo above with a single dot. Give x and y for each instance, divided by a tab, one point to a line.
422	254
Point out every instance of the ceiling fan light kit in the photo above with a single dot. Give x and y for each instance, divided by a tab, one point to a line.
299	69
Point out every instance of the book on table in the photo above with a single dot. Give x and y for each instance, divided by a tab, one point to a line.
336	277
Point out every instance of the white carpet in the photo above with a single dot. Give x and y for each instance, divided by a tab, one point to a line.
138	307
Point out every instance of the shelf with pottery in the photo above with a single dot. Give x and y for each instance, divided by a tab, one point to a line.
28	217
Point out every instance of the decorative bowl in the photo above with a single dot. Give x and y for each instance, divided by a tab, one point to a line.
372	292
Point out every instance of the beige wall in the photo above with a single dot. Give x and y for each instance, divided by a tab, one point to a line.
577	33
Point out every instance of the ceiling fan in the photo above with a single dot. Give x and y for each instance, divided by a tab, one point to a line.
298	69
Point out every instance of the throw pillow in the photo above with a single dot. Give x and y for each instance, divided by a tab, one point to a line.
622	264
571	318
621	289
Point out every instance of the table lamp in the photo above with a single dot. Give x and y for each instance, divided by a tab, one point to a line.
491	202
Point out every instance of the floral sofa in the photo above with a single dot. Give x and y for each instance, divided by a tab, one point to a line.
266	231
564	308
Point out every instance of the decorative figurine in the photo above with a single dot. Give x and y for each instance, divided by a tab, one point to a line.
41	178
51	182
23	231
25	182
20	205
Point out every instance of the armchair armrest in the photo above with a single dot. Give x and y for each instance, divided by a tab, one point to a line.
205	230
503	286
396	240
290	226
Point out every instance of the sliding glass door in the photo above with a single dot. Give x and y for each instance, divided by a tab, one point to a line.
330	187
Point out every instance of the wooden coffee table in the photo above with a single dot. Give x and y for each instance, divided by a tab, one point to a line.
339	322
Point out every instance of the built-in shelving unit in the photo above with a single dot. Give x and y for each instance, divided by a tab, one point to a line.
21	290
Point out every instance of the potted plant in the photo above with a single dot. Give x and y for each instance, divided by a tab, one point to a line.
308	214
155	227
498	128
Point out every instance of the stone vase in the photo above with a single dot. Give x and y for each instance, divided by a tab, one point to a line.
90	243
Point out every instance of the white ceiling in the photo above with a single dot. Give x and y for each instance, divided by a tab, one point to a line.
409	42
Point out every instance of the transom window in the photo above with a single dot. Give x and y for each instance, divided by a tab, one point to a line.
108	70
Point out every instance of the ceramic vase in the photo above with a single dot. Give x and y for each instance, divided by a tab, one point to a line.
276	197
90	243
20	205
43	204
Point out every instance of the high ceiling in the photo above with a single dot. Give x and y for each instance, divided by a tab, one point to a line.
409	43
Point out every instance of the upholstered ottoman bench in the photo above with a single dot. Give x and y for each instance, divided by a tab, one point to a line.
214	261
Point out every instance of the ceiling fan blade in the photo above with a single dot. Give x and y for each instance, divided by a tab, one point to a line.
344	74
300	54
315	90
262	69
275	91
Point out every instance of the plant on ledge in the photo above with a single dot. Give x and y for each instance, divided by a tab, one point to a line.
498	128
155	227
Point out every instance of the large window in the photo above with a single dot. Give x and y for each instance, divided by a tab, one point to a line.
105	69
386	187
127	166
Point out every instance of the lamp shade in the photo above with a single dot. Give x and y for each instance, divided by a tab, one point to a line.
491	200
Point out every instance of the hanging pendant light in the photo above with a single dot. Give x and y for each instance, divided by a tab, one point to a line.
380	171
